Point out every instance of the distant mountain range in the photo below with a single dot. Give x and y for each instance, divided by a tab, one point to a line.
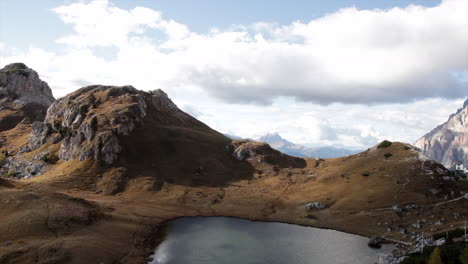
279	143
448	143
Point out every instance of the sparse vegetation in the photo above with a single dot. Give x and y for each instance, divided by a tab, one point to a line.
84	109
366	173
407	147
50	158
388	155
435	257
17	68
449	235
448	254
3	155
385	144
10	174
57	125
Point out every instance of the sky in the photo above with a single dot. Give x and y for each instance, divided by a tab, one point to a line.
339	72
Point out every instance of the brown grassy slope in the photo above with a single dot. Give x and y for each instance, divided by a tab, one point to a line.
160	143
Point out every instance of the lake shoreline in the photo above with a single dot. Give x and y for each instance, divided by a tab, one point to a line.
292	235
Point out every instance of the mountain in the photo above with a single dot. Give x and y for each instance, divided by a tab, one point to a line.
232	136
448	143
96	177
23	96
285	146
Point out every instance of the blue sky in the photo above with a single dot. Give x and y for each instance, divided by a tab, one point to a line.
42	27
336	72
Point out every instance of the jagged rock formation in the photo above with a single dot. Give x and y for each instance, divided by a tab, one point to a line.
144	133
285	146
262	152
89	122
448	143
23	96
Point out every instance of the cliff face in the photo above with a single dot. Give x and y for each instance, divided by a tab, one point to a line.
88	122
448	143
23	96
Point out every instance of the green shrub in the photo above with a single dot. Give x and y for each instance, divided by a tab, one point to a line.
455	253
419	258
435	257
458	232
388	155
50	158
11	173
4	154
407	147
57	126
84	109
385	144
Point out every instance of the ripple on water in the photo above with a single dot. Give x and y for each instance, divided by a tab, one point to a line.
221	240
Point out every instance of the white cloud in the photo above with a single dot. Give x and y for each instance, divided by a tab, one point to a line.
350	56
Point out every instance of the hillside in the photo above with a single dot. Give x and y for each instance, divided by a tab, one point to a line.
448	143
92	181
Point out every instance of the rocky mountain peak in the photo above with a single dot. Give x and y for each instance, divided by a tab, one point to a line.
89	122
448	142
271	136
24	97
22	85
275	140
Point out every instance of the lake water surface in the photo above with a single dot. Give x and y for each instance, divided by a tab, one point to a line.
221	240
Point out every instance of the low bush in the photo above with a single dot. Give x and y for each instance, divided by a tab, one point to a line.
455	253
84	109
385	144
388	155
449	235
50	158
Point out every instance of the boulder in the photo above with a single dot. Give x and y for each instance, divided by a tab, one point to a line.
375	242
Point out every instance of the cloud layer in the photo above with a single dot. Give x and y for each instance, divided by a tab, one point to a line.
352	77
350	56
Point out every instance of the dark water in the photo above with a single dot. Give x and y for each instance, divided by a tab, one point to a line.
220	240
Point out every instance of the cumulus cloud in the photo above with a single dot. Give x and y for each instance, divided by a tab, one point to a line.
350	56
367	57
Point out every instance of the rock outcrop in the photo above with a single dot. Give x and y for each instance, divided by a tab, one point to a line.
23	96
89	122
448	143
262	152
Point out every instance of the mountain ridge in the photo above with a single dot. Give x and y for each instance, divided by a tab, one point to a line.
283	145
448	142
